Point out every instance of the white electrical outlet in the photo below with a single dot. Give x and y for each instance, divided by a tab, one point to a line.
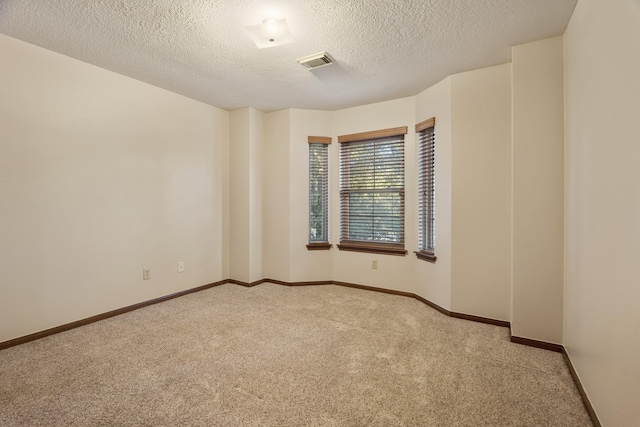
374	264
146	274
180	266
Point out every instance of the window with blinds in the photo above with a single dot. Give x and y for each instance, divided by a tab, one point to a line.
372	191
319	193
426	190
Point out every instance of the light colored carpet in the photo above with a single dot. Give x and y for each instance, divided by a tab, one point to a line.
281	356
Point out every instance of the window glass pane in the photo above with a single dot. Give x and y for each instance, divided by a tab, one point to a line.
318	192
426	190
372	191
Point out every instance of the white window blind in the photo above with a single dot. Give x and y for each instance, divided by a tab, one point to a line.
372	191
318	192
426	190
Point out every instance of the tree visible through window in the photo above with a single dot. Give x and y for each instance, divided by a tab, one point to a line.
319	192
372	191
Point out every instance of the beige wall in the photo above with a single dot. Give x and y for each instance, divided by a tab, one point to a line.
276	206
286	200
433	280
307	265
224	168
538	191
239	195
100	177
256	126
481	192
245	193
602	291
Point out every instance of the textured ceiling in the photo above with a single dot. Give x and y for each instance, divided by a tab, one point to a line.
384	49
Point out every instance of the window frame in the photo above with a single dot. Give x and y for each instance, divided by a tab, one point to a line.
426	189
323	142
378	247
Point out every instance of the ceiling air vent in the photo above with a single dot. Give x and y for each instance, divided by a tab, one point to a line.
317	60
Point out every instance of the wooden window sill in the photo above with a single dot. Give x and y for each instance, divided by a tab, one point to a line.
319	246
372	248
426	256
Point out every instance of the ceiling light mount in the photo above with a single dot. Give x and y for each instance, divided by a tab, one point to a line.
272	32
